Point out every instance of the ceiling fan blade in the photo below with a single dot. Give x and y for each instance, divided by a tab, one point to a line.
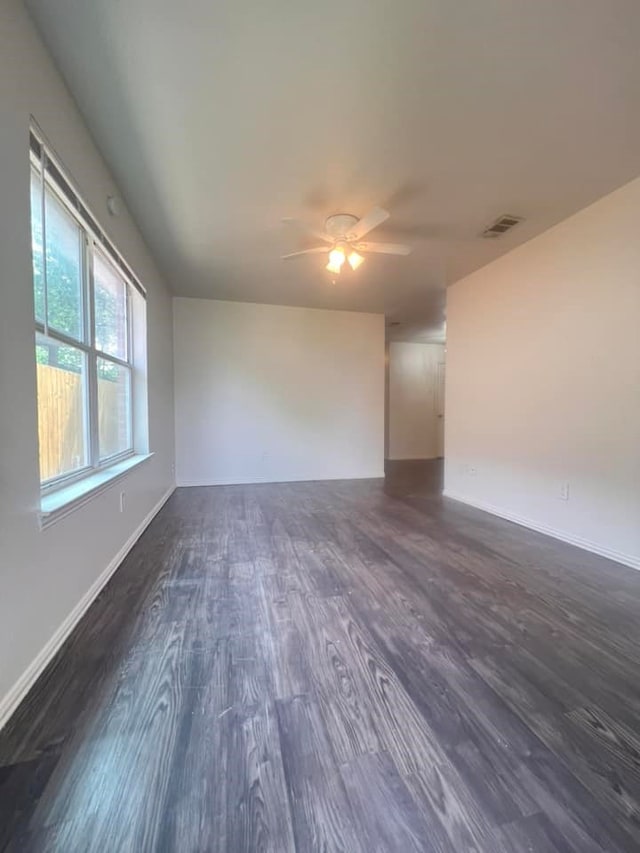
384	248
308	229
375	217
315	251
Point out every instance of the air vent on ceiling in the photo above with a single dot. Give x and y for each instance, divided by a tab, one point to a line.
393	323
501	225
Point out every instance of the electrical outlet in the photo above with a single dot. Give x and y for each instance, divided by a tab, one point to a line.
564	491
122	501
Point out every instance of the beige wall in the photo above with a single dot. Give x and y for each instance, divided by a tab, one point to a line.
266	393
543	381
46	574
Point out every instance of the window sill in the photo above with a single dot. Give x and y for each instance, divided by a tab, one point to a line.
62	502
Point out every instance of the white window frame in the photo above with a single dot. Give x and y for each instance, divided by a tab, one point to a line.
93	241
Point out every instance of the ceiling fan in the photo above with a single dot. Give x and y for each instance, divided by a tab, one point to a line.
343	235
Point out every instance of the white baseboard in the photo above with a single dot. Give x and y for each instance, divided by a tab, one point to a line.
626	559
252	481
10	702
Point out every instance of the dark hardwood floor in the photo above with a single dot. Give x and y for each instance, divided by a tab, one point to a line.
356	666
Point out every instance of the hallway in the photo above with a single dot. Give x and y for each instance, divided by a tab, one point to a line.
346	665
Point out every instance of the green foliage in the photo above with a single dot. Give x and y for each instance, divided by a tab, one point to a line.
64	265
58	355
108	370
64	287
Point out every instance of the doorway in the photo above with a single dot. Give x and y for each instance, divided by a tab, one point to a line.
415	401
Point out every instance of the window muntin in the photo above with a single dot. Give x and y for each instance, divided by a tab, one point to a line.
82	305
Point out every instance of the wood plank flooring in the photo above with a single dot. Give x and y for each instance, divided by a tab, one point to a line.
340	666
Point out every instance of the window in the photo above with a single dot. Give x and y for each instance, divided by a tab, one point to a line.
83	296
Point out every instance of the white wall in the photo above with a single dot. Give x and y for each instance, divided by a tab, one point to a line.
413	423
45	574
267	393
543	380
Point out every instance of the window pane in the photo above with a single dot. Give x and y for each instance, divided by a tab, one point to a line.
114	408
110	308
64	269
62	408
36	245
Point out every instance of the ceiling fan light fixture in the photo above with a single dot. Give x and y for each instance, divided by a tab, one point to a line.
355	260
336	260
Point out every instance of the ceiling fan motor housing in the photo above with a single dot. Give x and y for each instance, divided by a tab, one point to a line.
340	225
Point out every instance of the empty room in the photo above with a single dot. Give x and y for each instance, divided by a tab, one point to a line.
320	426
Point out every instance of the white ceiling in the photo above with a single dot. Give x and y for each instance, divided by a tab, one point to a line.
220	118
